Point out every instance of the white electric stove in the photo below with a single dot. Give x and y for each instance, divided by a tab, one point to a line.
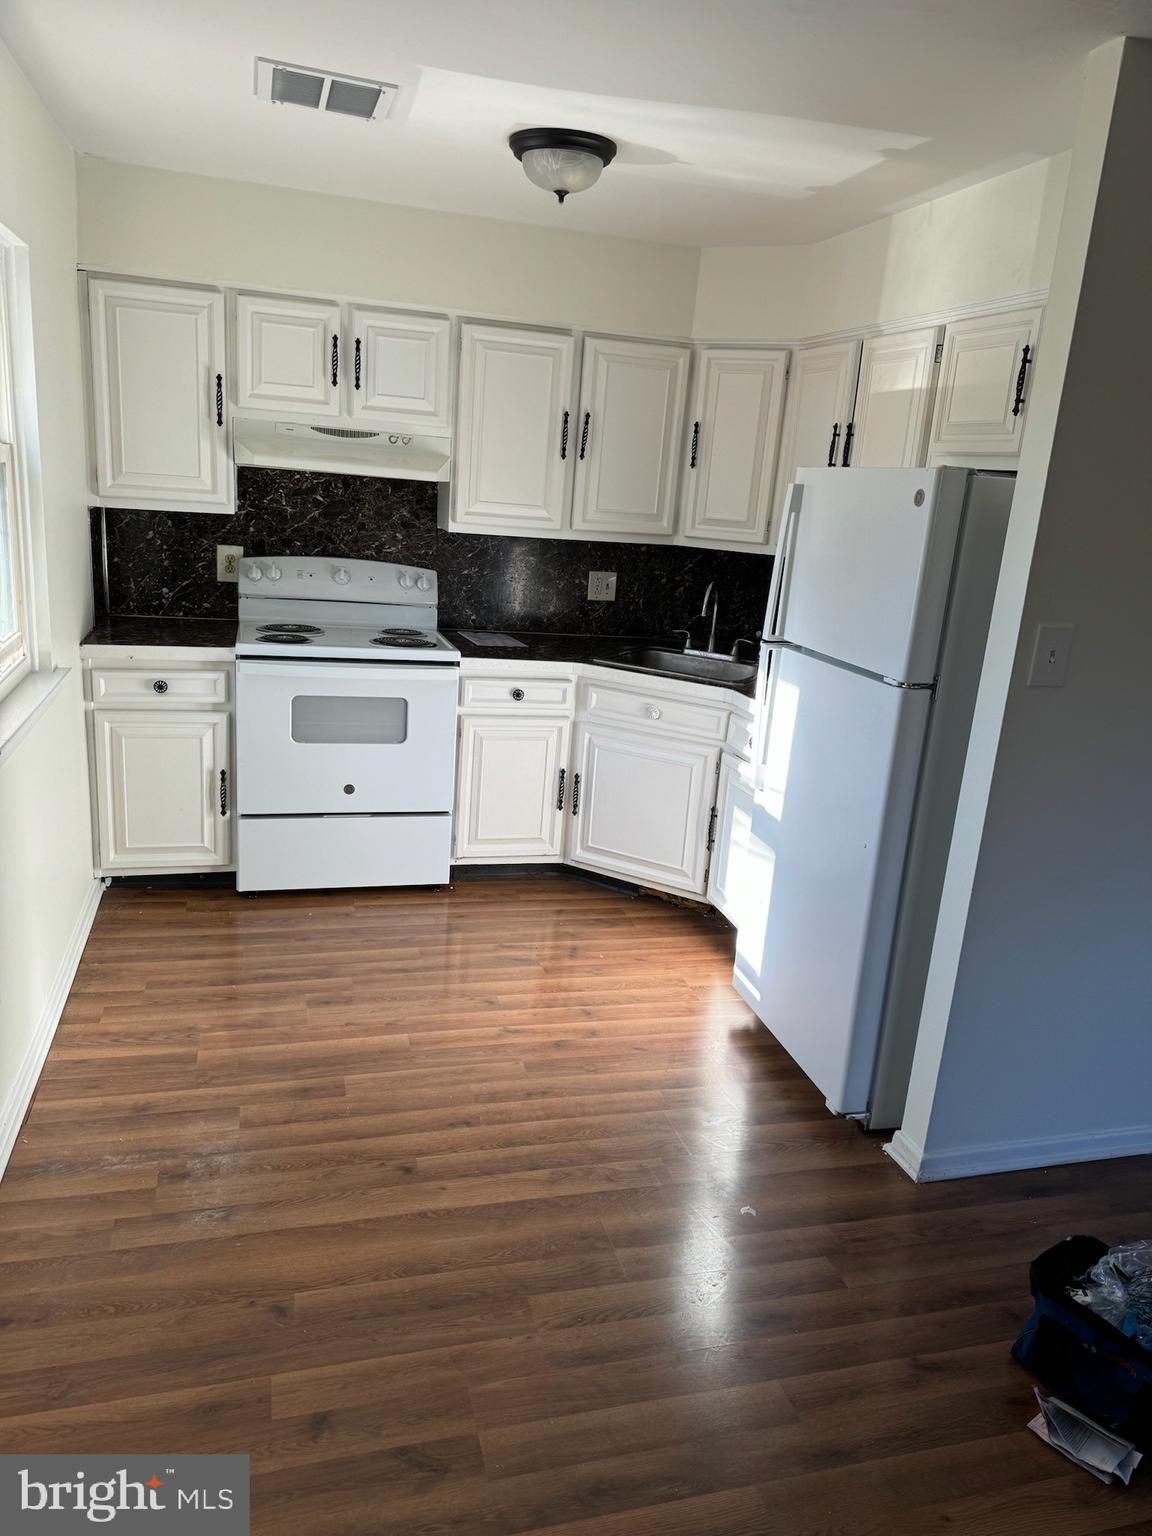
345	726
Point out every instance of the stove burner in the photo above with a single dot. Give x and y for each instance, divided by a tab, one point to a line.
287	636
384	632
413	642
289	629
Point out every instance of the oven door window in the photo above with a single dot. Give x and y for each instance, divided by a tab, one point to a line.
338	721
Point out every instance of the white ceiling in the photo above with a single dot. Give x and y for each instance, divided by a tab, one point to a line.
739	121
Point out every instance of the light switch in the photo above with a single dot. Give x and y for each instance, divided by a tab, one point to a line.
1050	655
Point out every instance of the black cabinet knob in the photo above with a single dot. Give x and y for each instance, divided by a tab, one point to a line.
159	686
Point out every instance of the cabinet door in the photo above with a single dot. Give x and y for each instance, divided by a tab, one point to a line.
731	444
515	439
158	394
821	389
984	377
641	807
398	368
731	866
509	789
288	355
894	400
628	436
162	804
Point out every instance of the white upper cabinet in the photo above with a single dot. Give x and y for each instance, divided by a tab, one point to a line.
515	434
732	436
628	436
288	355
821	390
894	399
158	389
985	375
398	367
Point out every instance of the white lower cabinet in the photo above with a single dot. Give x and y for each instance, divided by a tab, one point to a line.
510	789
162	781
730	872
641	805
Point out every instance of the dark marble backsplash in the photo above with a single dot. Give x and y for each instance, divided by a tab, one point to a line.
164	563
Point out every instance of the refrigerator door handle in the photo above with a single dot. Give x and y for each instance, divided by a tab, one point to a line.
782	575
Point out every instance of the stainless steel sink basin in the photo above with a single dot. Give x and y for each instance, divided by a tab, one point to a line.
669	663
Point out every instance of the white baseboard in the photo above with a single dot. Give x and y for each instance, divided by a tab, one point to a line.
1010	1156
19	1096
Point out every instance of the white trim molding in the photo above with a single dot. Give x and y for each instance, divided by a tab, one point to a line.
19	1096
1010	1156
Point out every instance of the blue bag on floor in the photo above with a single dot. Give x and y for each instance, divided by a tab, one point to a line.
1080	1356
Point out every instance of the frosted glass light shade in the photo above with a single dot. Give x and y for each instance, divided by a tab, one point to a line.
562	170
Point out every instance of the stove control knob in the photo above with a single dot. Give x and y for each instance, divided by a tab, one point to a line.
341	576
253	572
273	572
406	580
423	583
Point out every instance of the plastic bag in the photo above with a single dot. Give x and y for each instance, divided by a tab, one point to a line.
1118	1288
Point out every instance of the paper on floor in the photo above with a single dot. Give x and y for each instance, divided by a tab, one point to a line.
1097	1450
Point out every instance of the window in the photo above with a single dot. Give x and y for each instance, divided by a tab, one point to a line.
18	454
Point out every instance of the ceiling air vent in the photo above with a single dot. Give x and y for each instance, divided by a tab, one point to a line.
303	87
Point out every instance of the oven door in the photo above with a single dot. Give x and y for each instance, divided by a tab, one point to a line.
325	738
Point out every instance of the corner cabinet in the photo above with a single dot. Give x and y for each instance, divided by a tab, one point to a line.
732	438
514	443
158	372
821	392
629	433
160	743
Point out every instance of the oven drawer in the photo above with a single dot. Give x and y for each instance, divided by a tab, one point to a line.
528	693
163	686
301	853
344	738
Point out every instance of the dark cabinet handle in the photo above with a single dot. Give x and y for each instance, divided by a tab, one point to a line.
159	686
575	793
849	433
711	830
584	433
560	792
832	445
335	360
219	399
223	791
564	436
1025	363
695	445
356	365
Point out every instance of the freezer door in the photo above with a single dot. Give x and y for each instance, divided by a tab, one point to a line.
836	772
867	559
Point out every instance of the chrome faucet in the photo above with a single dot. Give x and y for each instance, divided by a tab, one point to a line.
710	595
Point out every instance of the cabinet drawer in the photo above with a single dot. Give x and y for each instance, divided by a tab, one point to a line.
527	692
163	686
739	738
697	720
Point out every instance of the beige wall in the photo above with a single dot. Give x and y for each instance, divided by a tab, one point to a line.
1036	1038
45	845
200	229
990	241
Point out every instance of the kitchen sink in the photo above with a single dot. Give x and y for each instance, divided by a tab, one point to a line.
664	662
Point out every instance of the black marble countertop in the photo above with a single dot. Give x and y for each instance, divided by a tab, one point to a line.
138	630
573	648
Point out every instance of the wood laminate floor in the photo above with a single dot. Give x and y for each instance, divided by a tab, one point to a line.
494	1210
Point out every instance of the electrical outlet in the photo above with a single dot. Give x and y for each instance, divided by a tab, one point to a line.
228	558
602	586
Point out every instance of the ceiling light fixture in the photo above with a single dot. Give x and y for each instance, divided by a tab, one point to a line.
562	160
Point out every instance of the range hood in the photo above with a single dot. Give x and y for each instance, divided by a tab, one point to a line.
271	444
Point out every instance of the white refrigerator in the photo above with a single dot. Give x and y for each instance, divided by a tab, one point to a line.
870	660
